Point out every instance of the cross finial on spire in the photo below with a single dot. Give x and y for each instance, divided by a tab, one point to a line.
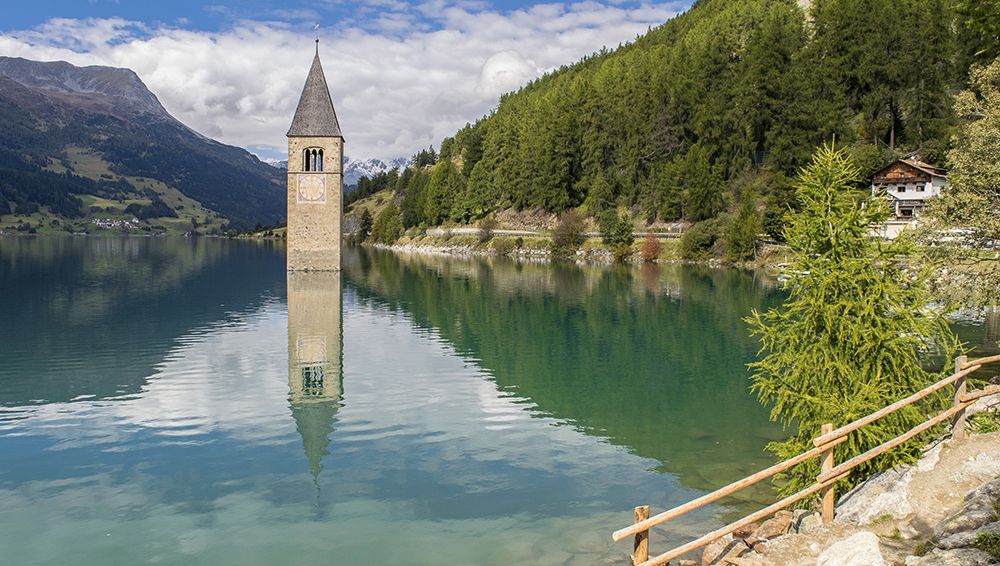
316	29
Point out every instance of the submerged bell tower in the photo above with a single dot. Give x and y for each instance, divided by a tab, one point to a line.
315	178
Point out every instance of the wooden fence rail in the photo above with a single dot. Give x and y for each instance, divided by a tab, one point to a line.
830	472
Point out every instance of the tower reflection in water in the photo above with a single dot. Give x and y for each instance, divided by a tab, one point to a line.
315	359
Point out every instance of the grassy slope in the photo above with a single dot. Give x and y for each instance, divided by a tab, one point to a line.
85	163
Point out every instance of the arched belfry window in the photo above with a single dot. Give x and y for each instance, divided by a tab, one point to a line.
313	159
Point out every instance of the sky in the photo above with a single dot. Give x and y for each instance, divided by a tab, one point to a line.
403	75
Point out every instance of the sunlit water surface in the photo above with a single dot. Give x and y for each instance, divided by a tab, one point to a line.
168	401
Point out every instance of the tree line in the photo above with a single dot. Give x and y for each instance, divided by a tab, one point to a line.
710	116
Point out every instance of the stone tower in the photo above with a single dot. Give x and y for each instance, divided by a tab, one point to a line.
315	178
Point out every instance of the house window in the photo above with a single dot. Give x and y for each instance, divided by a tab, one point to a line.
902	188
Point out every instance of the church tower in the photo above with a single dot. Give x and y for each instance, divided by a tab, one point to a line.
315	178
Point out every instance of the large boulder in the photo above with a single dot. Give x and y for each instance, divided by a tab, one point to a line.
861	549
953	557
979	510
968	538
885	494
985	466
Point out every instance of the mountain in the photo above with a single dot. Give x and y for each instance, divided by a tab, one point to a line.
276	163
80	139
723	103
355	169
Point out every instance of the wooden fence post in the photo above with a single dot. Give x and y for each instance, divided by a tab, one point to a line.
958	422
828	493
640	549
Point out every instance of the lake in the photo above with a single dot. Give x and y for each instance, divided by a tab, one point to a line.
180	401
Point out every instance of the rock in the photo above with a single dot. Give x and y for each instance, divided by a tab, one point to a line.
930	458
861	549
722	548
984	467
887	494
809	523
966	539
745	531
977	511
954	557
989	490
780	524
983	404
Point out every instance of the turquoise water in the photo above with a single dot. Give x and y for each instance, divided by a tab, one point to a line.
172	401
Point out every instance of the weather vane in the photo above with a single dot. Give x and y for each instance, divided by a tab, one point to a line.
316	29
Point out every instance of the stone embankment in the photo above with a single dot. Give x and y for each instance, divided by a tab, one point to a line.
942	511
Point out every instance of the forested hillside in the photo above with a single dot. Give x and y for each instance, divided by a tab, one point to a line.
718	106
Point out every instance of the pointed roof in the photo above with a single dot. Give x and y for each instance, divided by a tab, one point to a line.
315	115
315	422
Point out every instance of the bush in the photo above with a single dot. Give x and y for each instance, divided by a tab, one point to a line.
651	248
700	240
502	246
486	228
519	242
569	233
620	238
988	543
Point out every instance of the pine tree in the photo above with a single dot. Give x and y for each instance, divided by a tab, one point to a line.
365	225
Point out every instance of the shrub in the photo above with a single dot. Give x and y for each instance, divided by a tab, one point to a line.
699	241
502	246
486	227
988	543
519	242
620	238
569	233
651	248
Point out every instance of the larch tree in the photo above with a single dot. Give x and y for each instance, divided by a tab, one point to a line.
855	333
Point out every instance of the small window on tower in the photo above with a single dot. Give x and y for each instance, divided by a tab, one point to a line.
312	159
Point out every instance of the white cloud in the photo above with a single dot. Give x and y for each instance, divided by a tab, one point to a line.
400	81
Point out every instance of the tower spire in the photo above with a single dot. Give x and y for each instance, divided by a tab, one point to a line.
315	115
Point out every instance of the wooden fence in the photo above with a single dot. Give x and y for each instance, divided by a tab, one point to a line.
830	473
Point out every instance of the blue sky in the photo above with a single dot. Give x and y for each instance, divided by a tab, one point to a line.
403	74
214	16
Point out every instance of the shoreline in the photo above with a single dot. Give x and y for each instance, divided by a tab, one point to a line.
771	257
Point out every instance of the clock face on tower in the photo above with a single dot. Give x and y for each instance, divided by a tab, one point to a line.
312	188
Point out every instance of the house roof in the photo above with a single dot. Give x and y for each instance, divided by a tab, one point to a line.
918	165
315	115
